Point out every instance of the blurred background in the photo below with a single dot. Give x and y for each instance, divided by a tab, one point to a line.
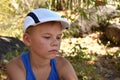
91	44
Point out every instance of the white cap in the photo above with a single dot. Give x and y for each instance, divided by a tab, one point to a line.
42	15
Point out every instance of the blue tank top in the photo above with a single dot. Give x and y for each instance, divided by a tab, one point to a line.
29	73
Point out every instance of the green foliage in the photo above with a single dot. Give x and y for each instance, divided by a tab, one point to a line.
10	55
80	61
115	56
80	54
12	15
71	32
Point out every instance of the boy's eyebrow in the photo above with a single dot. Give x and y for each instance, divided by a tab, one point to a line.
50	34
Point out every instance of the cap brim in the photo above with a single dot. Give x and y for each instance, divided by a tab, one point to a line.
65	23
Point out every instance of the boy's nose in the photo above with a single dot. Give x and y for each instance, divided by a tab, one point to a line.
55	42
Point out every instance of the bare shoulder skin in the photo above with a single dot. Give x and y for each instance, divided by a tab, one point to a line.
15	69
65	69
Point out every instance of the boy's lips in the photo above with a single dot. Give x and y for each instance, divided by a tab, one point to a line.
53	51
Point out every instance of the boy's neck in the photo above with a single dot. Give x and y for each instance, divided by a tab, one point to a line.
37	61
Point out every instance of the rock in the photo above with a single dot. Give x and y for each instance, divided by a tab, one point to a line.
112	32
10	45
117	78
96	16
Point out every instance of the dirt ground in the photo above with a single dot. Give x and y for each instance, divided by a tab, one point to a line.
107	66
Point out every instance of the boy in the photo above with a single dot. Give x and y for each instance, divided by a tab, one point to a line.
42	34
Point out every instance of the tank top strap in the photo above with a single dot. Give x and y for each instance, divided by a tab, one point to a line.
54	73
26	61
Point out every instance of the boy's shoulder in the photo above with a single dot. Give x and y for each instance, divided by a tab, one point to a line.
15	65
65	69
62	63
15	61
60	59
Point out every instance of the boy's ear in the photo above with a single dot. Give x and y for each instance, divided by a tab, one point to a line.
26	39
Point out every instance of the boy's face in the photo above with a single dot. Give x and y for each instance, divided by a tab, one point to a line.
44	39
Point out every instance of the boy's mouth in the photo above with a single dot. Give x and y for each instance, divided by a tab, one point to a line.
54	51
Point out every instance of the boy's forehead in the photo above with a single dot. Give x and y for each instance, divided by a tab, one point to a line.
51	23
54	26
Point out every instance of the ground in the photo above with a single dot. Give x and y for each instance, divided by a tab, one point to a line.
108	54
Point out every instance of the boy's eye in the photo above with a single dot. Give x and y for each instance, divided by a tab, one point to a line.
58	38
47	37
